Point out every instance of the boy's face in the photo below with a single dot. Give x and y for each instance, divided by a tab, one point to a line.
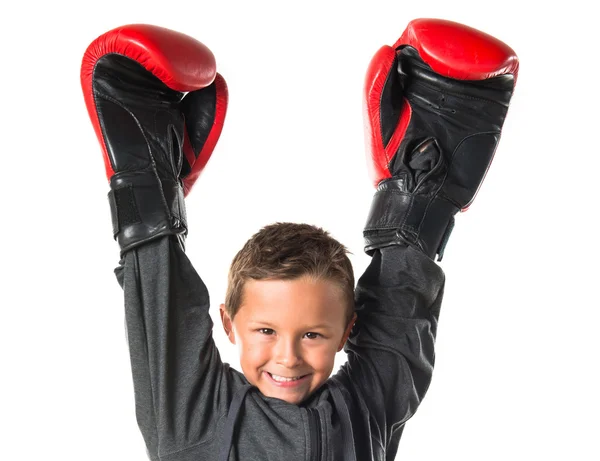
289	329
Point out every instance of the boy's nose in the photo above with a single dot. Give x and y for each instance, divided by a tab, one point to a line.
287	353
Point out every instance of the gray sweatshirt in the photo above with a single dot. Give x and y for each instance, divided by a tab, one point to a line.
192	406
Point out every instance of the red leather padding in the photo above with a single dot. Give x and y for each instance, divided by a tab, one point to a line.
458	51
178	60
198	163
378	155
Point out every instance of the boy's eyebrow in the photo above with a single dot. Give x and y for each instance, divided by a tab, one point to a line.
266	323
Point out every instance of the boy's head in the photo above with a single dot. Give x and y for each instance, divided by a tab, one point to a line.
289	308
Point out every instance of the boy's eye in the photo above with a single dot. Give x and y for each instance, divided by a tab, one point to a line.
269	331
312	335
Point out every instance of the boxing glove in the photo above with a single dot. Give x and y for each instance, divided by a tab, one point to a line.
434	105
157	106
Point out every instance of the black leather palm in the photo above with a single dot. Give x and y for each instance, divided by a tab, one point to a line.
143	130
464	117
140	115
443	157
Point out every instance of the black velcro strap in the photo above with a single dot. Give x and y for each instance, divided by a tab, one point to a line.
445	238
388	209
123	208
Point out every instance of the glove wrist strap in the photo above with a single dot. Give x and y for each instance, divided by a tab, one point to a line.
144	207
398	217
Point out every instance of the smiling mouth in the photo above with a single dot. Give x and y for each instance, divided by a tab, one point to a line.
283	379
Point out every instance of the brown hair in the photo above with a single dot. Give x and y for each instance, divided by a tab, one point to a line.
287	251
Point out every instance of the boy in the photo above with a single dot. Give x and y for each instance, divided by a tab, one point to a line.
435	103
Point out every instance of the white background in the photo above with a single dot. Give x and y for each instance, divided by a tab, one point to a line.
517	368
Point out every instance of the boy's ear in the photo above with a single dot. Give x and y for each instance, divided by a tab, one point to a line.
347	332
227	323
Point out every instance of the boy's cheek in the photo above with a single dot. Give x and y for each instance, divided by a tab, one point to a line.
256	352
321	358
253	352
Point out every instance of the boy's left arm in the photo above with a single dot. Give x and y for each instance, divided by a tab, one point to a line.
435	104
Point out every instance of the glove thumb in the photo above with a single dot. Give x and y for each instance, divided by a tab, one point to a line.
204	111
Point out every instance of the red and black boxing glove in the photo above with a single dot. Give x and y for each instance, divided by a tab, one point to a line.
434	106
157	105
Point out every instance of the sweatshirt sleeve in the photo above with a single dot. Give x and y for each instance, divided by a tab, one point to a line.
179	379
391	348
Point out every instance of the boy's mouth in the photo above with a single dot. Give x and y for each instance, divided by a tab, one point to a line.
286	381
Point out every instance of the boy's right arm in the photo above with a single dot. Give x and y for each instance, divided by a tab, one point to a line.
435	104
181	386
157	106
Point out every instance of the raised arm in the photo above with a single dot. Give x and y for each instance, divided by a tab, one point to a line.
157	106
435	103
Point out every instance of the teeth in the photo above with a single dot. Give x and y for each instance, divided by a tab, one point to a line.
282	379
